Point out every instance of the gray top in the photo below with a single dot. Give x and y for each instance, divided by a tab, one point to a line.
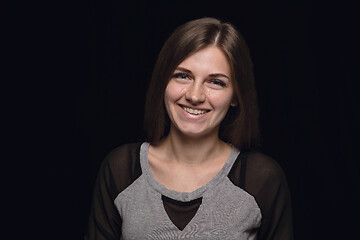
226	210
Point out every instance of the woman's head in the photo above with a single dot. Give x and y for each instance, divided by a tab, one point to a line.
240	126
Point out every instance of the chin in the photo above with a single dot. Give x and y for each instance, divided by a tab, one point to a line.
197	132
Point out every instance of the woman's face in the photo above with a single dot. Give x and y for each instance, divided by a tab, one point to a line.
200	93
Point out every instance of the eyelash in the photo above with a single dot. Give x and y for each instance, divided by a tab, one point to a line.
218	82
181	75
212	81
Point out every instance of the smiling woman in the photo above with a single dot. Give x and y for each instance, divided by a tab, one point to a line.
197	175
240	126
199	94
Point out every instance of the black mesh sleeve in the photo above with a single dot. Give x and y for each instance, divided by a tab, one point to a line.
119	169
265	180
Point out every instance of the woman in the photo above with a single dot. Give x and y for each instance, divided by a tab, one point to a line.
195	176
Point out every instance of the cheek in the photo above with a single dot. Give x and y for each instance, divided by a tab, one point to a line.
170	97
219	100
167	100
173	92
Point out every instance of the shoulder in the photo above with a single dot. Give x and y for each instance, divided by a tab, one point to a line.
123	154
264	178
255	171
122	165
263	172
266	181
256	165
263	167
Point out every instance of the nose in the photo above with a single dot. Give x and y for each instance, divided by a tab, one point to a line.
195	94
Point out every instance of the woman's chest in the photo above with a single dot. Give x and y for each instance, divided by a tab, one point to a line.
184	178
222	212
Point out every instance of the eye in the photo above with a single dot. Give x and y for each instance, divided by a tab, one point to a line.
217	83
181	76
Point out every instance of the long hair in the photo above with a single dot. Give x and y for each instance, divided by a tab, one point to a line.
240	125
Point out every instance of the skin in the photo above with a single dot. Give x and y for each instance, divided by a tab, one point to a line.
197	99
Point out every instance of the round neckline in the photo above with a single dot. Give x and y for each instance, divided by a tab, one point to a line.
184	196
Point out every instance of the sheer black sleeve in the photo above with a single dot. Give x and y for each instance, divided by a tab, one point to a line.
264	179
119	169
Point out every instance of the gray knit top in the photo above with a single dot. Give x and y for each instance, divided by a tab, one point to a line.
247	199
226	211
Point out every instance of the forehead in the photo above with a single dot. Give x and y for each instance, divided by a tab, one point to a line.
211	59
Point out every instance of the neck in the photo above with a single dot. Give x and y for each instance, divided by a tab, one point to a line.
193	150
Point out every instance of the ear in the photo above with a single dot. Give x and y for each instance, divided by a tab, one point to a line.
234	102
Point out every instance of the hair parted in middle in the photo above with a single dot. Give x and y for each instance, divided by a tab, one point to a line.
240	125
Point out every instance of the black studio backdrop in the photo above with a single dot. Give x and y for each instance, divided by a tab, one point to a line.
305	55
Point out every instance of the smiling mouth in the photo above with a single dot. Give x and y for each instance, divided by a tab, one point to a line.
194	111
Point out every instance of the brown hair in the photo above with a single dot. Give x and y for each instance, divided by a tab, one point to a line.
240	126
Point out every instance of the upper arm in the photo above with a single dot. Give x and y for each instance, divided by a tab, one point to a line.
104	220
119	169
266	181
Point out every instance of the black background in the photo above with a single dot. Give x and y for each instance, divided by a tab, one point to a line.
96	61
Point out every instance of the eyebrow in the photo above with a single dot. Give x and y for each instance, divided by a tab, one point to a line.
183	69
211	75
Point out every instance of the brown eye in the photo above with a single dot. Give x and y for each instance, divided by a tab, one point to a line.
181	76
218	82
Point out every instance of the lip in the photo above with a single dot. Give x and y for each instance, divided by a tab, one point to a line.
190	116
195	108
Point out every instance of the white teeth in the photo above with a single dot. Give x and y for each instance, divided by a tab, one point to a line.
194	111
